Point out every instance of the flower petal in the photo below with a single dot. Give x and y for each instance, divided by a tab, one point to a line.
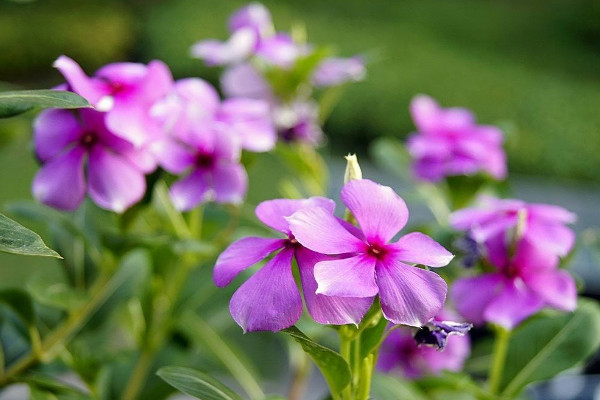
418	248
93	90
273	213
347	277
269	300
230	183
251	120
514	303
329	310
317	229
380	212
172	156
60	182
409	295
114	182
214	52
53	131
556	287
243	80
472	295
551	213
190	191
551	237
240	255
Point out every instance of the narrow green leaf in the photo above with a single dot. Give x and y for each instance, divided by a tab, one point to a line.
544	346
17	102
20	302
371	337
195	383
386	387
57	295
16	239
333	367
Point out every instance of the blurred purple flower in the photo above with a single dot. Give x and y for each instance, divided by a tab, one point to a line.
80	154
335	71
126	91
449	142
270	300
436	333
401	353
519	288
370	265
280	50
254	16
299	122
195	105
498	222
243	80
236	49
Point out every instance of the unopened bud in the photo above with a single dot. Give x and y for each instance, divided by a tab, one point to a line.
521	223
352	168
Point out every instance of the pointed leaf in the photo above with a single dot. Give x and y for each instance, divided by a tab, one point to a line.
17	102
16	239
195	383
544	346
332	365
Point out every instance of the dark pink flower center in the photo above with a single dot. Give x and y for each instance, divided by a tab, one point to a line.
88	139
377	251
204	160
292	241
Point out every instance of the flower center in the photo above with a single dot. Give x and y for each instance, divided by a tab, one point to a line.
376	251
88	139
292	241
204	160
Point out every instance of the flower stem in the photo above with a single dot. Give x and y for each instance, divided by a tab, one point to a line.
364	388
499	358
345	351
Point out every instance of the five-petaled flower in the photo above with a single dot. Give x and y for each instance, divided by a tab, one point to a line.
449	142
270	300
368	265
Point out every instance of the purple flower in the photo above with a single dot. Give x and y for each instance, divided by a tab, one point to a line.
280	50
194	105
335	71
368	264
401	352
80	154
254	16
299	122
517	289
243	80
236	49
436	333
126	91
270	300
449	142
495	223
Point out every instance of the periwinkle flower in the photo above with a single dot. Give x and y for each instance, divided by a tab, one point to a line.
436	333
270	300
254	16
195	105
243	80
402	353
298	122
126	91
449	142
498	222
79	155
519	287
240	45
335	71
368	264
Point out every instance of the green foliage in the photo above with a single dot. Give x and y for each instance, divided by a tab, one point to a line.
16	239
20	302
17	102
197	384
333	367
387	387
549	344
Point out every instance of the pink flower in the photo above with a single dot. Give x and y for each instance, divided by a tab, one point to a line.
494	223
79	155
449	142
270	300
126	91
369	265
400	353
517	289
335	71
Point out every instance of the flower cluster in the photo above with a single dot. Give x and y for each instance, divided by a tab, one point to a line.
342	267
255	52
449	142
523	243
416	354
143	119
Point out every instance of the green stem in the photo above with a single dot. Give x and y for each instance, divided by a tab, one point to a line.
345	351
140	372
499	358
61	334
364	388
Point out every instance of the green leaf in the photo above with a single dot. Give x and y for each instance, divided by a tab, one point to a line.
17	102
16	239
57	295
371	337
544	346
20	302
333	367
195	383
384	387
